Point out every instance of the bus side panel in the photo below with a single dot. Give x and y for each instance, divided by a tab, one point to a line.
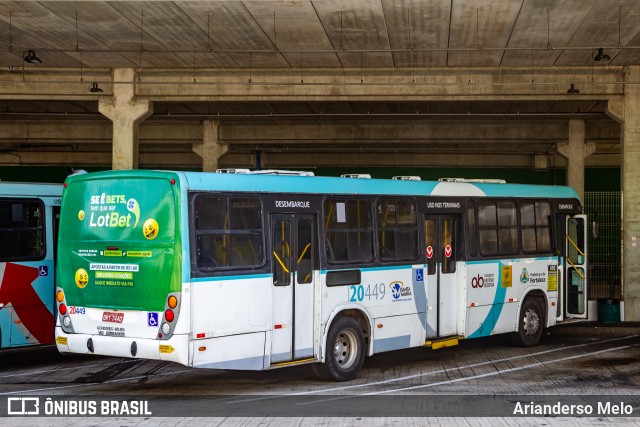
496	290
391	295
215	314
397	332
245	351
27	292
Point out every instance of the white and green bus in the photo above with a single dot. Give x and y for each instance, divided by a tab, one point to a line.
258	271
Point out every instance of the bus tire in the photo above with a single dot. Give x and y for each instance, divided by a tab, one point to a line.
530	324
345	351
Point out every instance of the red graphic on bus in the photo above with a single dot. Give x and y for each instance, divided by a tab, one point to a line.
448	251
16	289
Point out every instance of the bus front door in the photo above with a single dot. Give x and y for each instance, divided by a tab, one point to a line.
575	277
440	238
293	263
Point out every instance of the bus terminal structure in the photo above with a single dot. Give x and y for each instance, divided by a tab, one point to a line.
521	90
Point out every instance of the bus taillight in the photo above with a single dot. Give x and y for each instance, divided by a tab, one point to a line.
59	296
172	302
169	316
63	309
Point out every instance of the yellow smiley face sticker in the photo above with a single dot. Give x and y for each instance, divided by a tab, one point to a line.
150	229
81	215
82	278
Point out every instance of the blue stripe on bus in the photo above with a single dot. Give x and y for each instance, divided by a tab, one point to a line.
393	343
504	261
242	277
391	267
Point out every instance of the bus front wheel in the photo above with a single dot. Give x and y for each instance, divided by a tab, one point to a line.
345	350
531	324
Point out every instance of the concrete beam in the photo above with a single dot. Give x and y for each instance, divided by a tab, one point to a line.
615	109
149	157
323	84
96	159
386	84
310	132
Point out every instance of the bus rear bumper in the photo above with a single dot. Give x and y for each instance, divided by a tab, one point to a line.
175	349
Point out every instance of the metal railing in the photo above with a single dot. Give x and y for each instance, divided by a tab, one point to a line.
603	207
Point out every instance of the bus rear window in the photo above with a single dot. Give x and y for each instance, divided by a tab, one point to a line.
21	230
228	232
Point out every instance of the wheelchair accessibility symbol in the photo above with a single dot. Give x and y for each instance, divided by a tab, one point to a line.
419	275
43	271
152	319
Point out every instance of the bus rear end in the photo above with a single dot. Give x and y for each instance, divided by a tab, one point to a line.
118	287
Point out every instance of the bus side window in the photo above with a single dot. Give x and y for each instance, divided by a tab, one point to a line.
448	240
281	253
498	223
397	230
576	245
471	228
228	232
21	230
348	231
535	227
305	249
431	242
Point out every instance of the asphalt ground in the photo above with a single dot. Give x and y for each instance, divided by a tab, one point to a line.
481	381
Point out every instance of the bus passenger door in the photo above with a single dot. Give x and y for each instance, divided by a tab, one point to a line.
440	237
575	277
293	264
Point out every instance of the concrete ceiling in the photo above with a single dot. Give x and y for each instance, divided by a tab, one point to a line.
491	79
320	33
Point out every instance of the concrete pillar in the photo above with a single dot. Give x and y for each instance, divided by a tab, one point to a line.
631	196
576	151
211	148
126	112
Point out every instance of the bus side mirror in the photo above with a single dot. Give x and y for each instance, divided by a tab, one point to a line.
594	229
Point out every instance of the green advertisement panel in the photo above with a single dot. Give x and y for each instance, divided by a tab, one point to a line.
119	244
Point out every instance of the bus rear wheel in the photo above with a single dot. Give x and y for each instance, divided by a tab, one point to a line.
531	324
345	351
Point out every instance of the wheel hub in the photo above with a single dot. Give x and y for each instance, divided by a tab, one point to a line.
344	349
531	323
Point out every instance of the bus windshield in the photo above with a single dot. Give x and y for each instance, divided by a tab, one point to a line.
118	245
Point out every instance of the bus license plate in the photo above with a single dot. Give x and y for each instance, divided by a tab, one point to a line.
112	317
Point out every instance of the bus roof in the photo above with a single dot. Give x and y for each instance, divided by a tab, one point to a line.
29	189
332	185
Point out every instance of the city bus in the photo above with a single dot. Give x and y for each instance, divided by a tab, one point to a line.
29	217
263	270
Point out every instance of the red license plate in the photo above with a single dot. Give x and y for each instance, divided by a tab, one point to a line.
112	317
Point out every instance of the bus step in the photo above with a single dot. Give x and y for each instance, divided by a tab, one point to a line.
294	362
442	343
